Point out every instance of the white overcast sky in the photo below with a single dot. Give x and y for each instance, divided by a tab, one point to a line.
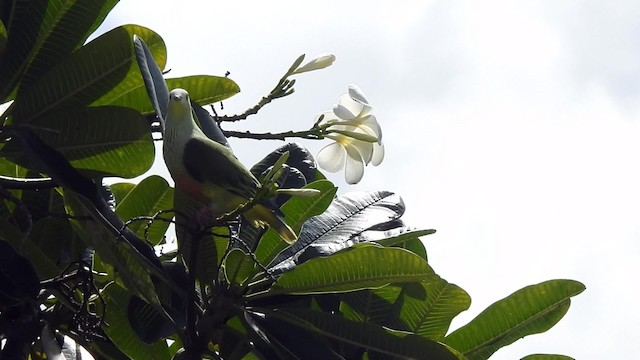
513	128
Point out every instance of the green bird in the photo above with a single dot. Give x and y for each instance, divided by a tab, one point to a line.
208	171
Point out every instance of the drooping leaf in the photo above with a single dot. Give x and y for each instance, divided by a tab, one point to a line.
359	267
333	230
90	73
121	333
371	337
92	200
150	196
531	310
111	141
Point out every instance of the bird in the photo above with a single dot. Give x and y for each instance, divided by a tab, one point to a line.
209	172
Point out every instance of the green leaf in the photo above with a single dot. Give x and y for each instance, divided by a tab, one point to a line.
371	305
120	190
239	267
372	337
131	92
43	265
98	70
18	280
3	40
150	196
429	311
297	210
359	267
210	248
107	141
531	310
205	89
547	357
43	32
132	268
54	238
121	333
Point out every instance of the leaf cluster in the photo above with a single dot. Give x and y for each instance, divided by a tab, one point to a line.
80	260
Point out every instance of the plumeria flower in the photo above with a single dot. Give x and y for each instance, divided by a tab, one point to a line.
319	62
357	136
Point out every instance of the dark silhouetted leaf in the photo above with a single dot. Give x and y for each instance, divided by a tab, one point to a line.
348	216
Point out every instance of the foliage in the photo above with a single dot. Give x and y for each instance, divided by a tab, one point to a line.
78	258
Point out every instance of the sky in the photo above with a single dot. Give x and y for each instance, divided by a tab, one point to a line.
512	128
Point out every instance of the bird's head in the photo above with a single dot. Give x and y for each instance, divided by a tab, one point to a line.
179	103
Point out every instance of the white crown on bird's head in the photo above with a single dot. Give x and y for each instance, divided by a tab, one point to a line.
178	99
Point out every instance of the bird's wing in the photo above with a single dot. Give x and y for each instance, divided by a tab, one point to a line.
208	161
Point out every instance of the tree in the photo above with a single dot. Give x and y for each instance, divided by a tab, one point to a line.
78	257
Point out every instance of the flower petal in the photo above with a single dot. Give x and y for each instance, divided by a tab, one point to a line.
332	157
356	94
347	108
378	154
365	149
354	167
319	62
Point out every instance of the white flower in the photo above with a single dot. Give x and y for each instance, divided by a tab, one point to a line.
319	62
357	135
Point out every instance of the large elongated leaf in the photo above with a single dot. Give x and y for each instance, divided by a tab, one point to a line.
121	333
66	26
100	141
43	32
98	70
371	337
531	310
375	306
348	216
151	195
360	267
131	92
429	311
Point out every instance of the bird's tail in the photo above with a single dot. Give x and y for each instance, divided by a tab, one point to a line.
261	214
